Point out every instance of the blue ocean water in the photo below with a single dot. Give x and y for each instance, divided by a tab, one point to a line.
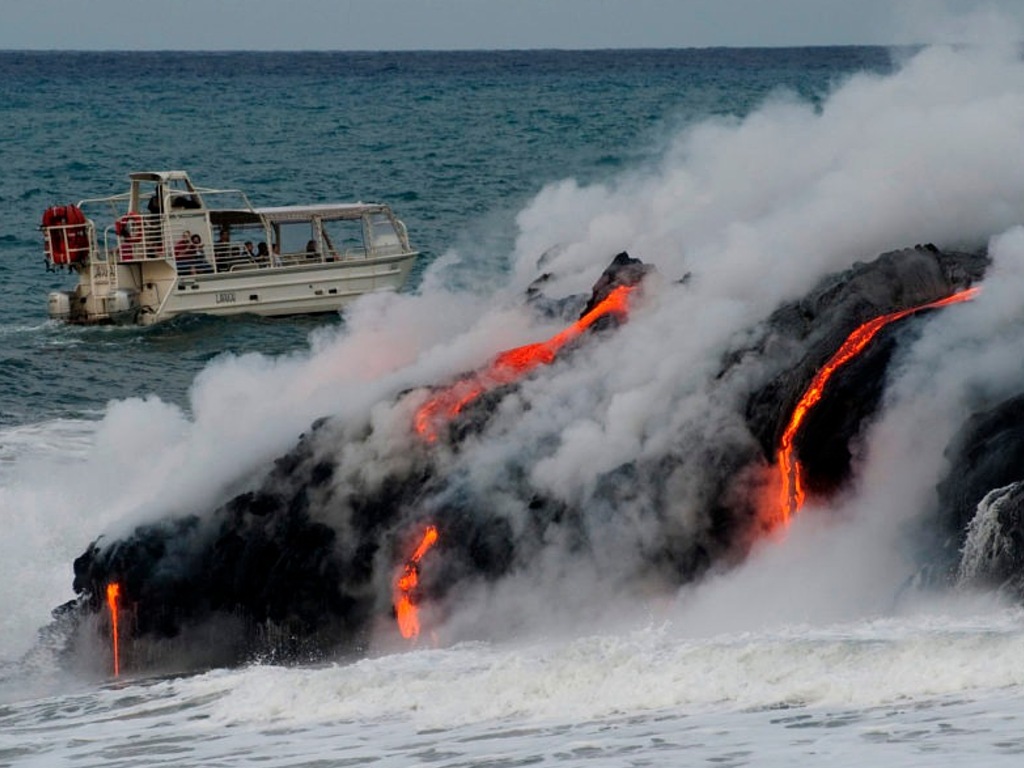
761	170
456	142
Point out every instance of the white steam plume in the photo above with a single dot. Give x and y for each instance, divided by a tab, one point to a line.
758	210
852	560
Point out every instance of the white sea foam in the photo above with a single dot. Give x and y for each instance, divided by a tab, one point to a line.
986	542
945	676
43	527
67	440
866	664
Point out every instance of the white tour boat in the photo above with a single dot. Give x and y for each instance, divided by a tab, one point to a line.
172	248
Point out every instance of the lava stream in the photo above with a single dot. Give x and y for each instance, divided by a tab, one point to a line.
793	494
406	611
113	593
509	366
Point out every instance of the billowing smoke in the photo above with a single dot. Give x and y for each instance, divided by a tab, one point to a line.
639	460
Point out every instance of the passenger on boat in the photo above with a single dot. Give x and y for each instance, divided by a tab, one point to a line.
199	254
249	251
262	255
311	252
188	254
156	203
184	200
184	254
225	254
183	248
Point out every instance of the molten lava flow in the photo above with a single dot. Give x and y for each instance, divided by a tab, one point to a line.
793	494
114	592
509	366
405	611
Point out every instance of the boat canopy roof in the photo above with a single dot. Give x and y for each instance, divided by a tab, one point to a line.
287	213
180	180
321	210
158	176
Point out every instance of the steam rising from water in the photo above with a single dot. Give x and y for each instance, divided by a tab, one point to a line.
756	210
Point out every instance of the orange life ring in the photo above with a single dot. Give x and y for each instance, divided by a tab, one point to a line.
129	234
67	234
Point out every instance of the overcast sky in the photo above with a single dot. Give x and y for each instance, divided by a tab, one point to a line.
487	24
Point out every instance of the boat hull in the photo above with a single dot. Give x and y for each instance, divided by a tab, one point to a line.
282	291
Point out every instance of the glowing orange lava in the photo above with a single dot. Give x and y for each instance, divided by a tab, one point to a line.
406	612
509	366
114	592
793	495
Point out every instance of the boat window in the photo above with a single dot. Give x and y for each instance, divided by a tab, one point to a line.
181	196
150	197
343	239
293	236
383	237
238	244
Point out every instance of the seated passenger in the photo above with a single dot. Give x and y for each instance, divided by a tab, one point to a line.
262	255
185	254
184	200
183	247
199	254
226	255
188	254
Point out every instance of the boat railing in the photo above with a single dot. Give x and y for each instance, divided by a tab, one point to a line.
137	236
351	253
390	248
226	198
231	257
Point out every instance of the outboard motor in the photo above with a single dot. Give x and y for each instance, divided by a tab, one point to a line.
59	305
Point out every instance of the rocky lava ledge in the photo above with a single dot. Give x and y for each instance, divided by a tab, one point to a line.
304	564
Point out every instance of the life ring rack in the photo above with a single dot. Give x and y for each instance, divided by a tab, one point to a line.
66	234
